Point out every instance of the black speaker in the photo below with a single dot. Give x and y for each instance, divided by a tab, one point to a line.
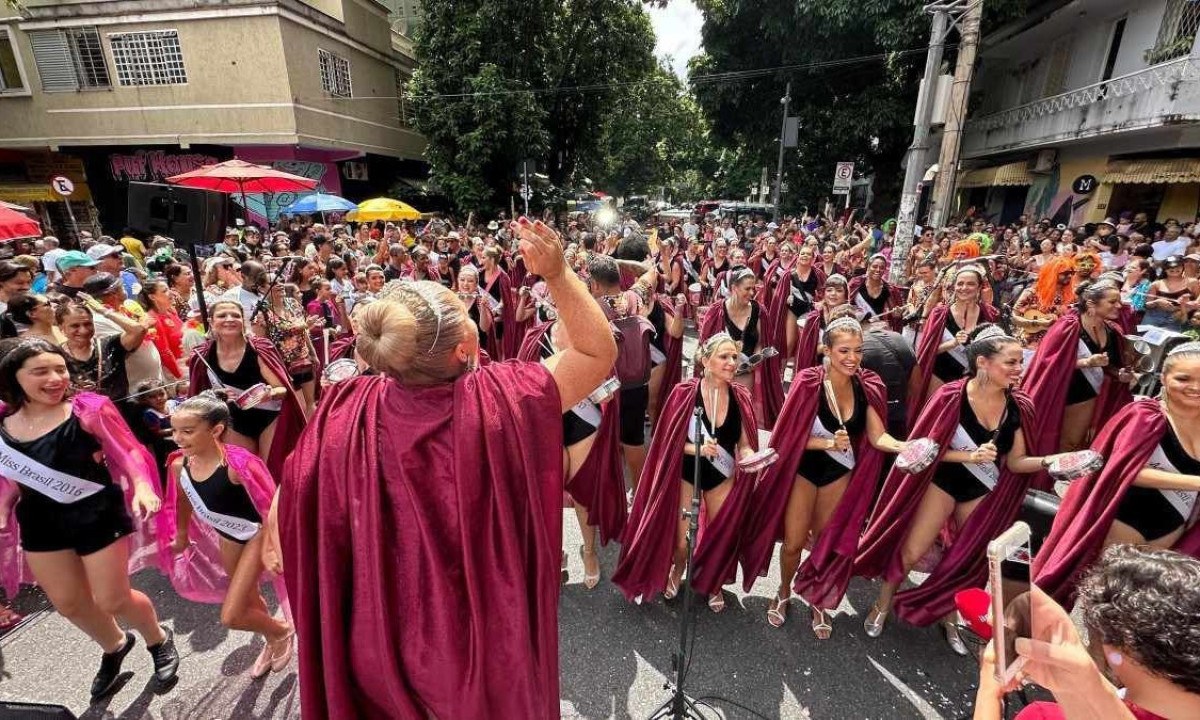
188	215
34	711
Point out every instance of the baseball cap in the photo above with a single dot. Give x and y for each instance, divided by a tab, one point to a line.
101	284
74	259
100	251
493	225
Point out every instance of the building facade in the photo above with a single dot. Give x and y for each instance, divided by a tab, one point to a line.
1084	110
109	92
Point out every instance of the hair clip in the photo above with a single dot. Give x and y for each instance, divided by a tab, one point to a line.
992	332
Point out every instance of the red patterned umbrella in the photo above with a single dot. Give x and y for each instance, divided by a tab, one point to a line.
14	225
239	176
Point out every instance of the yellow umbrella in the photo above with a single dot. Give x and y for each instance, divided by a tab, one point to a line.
383	209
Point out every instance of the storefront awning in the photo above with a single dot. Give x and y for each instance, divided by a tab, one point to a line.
1003	175
1152	171
25	193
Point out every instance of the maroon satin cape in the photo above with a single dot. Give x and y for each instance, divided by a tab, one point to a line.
1049	375
508	345
768	377
291	417
772	278
809	340
648	545
527	281
779	315
964	563
421	531
1086	515
673	347
342	348
927	346
599	484
895	299
825	573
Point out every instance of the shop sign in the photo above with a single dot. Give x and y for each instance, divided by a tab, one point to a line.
155	165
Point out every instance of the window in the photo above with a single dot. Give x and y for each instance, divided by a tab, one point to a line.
1177	34
11	79
401	101
148	58
335	74
1114	49
69	60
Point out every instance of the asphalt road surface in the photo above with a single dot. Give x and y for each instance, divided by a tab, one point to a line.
615	657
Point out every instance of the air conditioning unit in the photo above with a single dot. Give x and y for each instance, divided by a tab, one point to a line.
1043	162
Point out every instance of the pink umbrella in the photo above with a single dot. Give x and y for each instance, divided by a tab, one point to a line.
14	225
239	176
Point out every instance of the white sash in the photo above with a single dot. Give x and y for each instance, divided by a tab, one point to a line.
236	527
587	411
863	305
909	333
59	486
656	356
800	295
723	462
691	271
493	303
845	458
958	352
1093	375
1184	501
780	271
987	473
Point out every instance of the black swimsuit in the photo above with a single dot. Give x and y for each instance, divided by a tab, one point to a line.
221	495
1080	390
84	526
253	421
747	337
878	305
808	293
816	466
575	428
957	480
945	367
727	436
1147	510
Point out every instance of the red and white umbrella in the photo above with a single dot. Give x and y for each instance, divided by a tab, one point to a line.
15	225
241	177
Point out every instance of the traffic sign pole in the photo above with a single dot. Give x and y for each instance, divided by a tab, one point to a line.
64	187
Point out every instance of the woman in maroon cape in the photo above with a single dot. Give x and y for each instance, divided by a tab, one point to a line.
670	267
794	297
828	262
816	321
830	437
666	315
941	347
742	318
479	310
986	461
236	362
1080	374
420	516
654	547
1146	492
498	291
764	257
592	460
775	274
875	297
712	267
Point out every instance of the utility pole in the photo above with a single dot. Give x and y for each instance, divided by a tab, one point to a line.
956	113
787	99
914	167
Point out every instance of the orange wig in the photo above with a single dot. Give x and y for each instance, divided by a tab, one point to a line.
1048	287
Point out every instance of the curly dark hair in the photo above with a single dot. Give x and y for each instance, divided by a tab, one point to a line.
1146	602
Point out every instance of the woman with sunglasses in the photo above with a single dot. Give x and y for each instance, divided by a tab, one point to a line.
1165	299
34	316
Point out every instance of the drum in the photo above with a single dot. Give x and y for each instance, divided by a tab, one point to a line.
253	396
339	370
701	311
758	461
607	389
753	361
693	294
917	455
1074	465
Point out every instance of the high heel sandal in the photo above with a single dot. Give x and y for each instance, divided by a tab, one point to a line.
821	626
874	628
589	580
262	664
716	602
672	589
776	614
954	640
280	661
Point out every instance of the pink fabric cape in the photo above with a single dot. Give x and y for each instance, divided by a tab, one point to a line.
126	458
964	563
768	377
511	342
648	546
895	299
927	345
673	346
197	573
1049	375
825	573
1086	515
291	417
422	532
599	484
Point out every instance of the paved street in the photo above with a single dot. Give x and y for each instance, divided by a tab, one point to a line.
614	658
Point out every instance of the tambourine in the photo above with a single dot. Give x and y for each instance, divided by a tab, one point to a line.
701	311
253	396
607	389
693	294
339	370
917	456
756	359
1074	465
758	461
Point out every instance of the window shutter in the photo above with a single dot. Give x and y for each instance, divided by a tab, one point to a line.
53	58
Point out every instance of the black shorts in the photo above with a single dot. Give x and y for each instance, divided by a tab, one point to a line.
302	376
819	469
634	403
86	526
252	422
958	482
1149	513
1079	389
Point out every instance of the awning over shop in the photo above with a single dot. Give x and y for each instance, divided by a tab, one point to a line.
25	193
1011	174
1153	171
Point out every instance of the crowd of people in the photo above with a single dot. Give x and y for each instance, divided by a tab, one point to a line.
383	419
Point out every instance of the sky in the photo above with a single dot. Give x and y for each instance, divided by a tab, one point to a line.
677	29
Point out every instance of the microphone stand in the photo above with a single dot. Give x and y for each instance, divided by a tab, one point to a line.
679	706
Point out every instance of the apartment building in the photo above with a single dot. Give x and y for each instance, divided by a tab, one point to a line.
1085	109
108	92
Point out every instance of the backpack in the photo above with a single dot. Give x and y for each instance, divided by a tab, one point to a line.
633	365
